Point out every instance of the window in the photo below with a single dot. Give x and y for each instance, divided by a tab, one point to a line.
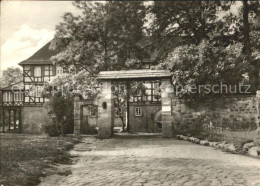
138	111
37	71
48	70
32	93
38	91
59	71
7	97
18	96
93	111
152	93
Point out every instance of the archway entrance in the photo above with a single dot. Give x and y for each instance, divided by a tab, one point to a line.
140	115
143	107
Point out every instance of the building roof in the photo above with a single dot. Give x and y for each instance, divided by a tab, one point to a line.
134	74
16	86
42	56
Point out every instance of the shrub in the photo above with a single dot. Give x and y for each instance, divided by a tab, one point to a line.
60	108
51	130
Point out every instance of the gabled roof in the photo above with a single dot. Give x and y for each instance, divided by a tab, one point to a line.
16	86
134	74
42	56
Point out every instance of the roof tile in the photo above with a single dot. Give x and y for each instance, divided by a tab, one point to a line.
42	56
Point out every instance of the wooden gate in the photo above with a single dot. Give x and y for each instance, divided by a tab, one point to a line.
88	119
142	118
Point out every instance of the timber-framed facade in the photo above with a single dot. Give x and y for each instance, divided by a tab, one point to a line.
22	103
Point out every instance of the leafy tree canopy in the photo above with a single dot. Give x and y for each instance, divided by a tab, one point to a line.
11	76
205	64
104	37
200	41
203	42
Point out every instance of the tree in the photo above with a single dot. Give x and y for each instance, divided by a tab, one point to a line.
60	110
204	65
253	64
11	76
179	23
121	97
195	22
103	38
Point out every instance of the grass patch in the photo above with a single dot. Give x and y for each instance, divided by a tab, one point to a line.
26	158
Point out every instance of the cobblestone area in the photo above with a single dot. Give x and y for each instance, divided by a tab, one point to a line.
155	161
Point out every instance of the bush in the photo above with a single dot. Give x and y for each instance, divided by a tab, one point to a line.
60	109
51	130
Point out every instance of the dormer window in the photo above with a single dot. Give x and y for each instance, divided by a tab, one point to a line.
59	71
37	71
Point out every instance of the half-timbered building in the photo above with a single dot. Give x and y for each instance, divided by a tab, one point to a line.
22	103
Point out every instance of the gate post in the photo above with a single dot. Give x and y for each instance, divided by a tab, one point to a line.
105	111
167	125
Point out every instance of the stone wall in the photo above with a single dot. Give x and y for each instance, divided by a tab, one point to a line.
33	119
234	113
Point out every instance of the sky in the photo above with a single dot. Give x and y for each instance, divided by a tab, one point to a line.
26	26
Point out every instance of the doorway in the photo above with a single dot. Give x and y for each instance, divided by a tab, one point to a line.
88	119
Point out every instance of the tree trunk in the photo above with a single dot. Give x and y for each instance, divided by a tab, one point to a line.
258	60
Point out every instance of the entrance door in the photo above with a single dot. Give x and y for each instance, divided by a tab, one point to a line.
89	119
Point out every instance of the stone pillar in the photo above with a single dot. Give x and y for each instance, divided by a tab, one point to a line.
105	111
77	105
167	124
